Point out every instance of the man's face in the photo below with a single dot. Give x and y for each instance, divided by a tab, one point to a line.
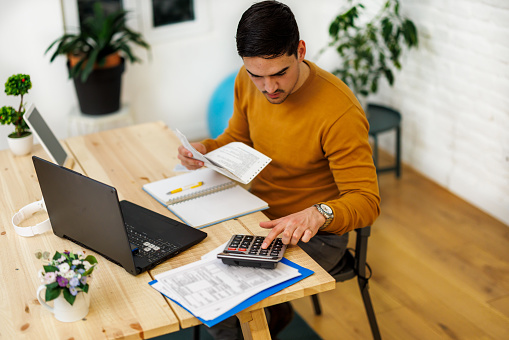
276	78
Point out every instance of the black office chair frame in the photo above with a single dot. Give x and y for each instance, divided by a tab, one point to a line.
356	266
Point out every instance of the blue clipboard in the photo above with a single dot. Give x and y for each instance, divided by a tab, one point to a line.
255	298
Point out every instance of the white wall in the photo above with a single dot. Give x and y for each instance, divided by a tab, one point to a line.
452	93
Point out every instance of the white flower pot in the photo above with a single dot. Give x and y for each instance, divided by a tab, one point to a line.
63	310
21	146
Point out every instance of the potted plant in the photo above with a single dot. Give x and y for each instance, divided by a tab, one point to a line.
66	279
21	140
371	49
96	58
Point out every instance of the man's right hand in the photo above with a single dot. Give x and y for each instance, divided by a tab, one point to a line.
186	159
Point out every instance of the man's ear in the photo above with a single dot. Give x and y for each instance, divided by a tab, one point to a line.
301	51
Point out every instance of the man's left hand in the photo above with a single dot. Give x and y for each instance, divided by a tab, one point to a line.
301	226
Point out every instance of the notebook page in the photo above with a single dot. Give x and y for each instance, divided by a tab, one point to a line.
217	207
210	178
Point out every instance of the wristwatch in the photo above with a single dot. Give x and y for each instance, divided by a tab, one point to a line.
327	212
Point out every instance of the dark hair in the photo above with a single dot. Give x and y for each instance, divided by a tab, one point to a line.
267	29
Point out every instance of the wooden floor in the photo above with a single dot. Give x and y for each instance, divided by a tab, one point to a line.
440	270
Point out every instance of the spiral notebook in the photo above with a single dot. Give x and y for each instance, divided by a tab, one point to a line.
216	200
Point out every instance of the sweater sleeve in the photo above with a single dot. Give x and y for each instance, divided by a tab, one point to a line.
346	146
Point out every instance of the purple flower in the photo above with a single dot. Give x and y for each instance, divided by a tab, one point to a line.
73	291
83	279
62	281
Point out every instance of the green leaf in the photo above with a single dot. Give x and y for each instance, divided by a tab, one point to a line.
69	297
52	291
334	27
389	76
410	33
57	256
49	269
91	259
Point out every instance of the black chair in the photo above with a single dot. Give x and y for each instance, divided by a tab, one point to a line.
382	119
353	265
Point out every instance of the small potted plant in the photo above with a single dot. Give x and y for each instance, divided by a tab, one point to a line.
21	140
370	49
96	57
66	278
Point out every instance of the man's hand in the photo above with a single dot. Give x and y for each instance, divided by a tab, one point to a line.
301	226
186	159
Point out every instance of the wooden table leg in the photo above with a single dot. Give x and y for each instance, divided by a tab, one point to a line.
254	325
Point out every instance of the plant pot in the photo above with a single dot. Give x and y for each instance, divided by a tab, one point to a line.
21	146
100	94
63	310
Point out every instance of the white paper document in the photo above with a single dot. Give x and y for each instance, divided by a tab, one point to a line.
209	288
235	160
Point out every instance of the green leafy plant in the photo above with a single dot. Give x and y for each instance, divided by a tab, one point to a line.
66	273
100	36
372	49
16	85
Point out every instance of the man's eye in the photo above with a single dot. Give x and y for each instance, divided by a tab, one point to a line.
280	74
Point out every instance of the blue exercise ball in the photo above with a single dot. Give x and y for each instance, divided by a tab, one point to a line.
221	106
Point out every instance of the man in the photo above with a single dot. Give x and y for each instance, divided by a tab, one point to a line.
321	182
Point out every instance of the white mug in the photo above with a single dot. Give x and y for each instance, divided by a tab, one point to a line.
63	310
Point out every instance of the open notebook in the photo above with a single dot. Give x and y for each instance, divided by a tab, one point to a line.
217	199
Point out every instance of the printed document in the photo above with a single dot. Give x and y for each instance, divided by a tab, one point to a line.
236	160
209	288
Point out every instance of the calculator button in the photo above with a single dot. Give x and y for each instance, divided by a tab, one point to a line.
232	248
242	249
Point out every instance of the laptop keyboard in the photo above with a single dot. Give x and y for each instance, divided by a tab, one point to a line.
151	249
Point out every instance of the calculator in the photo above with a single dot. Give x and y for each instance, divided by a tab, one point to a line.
246	250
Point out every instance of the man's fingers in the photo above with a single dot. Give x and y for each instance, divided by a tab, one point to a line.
271	236
308	234
186	159
269	224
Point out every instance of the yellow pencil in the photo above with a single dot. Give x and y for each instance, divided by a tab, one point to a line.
190	186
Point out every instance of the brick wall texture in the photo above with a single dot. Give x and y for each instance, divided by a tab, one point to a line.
453	94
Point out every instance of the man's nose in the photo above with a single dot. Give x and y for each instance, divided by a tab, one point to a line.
270	85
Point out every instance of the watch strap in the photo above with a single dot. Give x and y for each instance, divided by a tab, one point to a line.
328	217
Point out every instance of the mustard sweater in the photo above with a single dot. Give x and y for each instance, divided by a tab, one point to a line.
318	141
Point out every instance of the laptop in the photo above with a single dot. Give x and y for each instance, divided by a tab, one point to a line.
47	138
88	213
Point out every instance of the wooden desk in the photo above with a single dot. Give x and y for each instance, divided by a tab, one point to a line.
121	305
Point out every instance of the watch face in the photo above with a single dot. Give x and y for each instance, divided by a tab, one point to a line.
326	208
